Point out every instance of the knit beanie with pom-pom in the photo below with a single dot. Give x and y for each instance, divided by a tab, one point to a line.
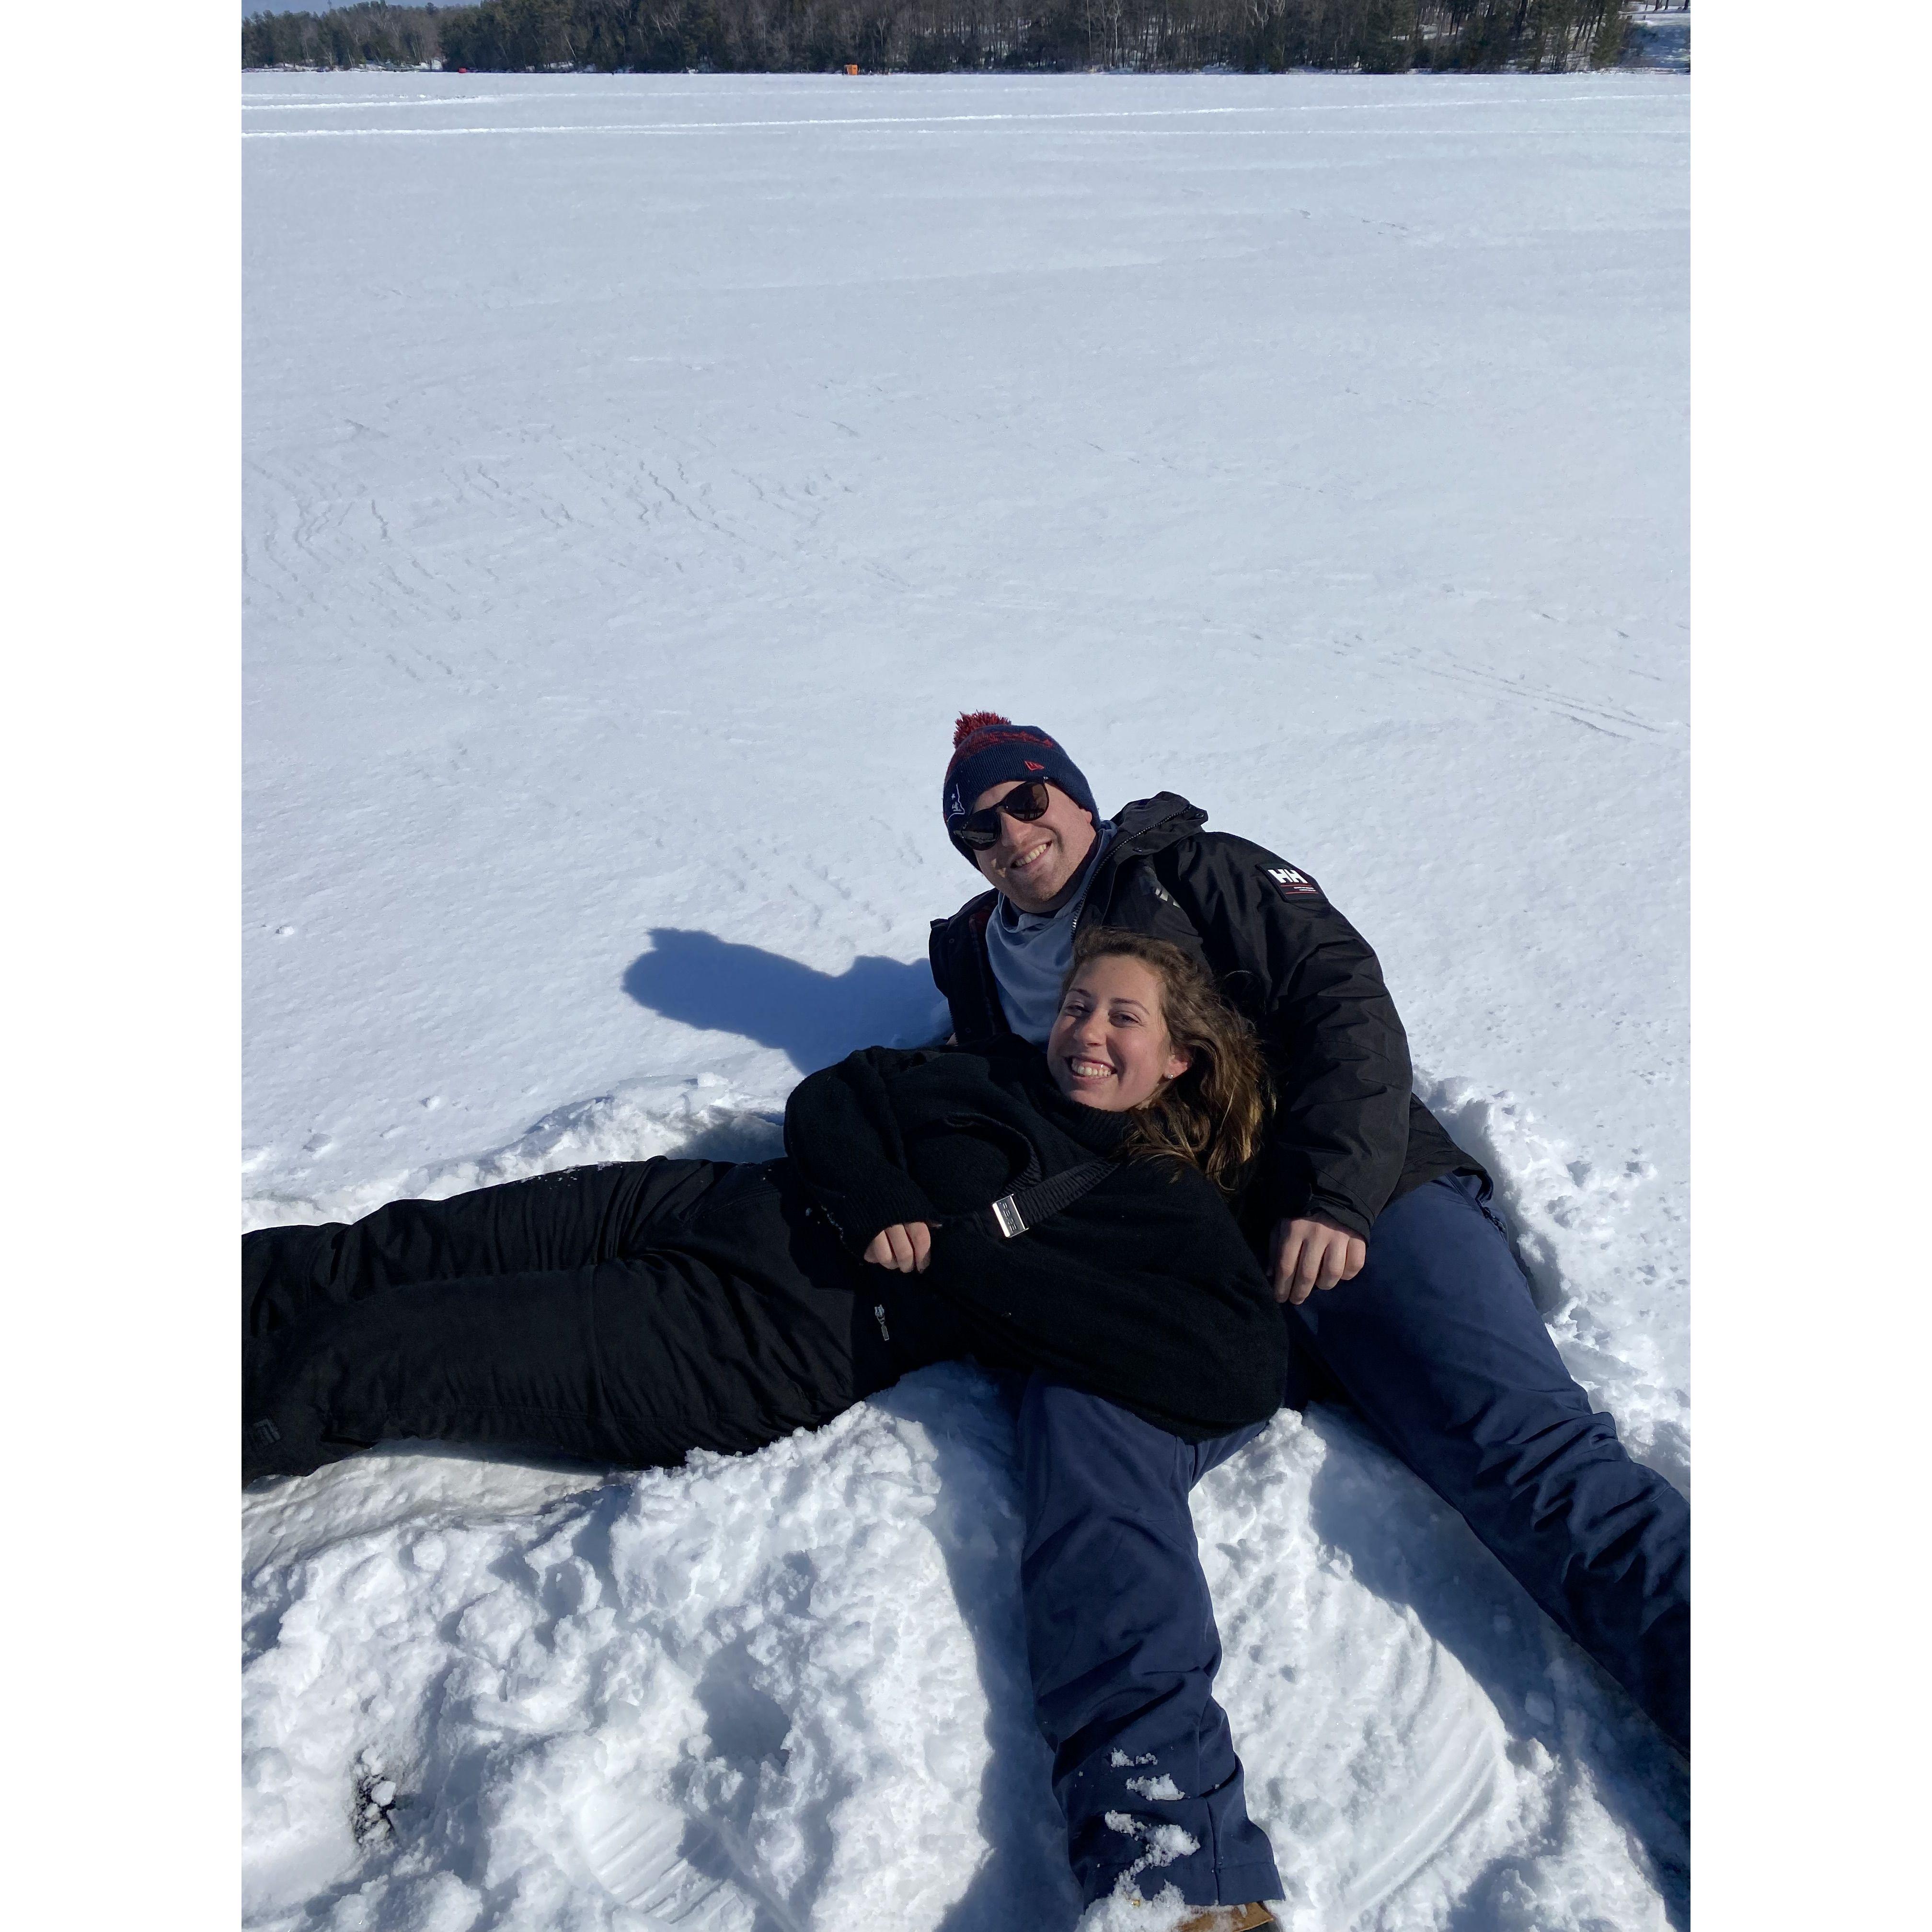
990	750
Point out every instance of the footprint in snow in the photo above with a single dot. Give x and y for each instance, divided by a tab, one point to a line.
658	1861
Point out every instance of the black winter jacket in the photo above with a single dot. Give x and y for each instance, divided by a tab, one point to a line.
1142	1290
1348	1135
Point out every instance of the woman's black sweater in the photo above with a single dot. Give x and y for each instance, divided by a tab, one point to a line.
1143	1290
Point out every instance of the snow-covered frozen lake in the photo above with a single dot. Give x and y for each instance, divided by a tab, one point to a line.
641	472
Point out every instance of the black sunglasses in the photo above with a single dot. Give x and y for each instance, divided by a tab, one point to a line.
1026	802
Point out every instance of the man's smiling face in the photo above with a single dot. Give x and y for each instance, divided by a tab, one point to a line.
1033	864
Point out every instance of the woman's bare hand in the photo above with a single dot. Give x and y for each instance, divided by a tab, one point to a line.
1309	1254
906	1245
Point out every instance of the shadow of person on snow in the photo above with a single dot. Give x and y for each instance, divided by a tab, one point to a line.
816	1017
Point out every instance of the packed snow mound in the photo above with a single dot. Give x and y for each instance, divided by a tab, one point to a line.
699	1118
1607	1281
789	1689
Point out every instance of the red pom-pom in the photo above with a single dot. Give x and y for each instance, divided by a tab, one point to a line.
970	721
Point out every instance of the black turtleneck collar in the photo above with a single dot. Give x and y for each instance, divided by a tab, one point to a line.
1094	1128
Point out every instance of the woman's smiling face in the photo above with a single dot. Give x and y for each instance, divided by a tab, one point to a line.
1109	1047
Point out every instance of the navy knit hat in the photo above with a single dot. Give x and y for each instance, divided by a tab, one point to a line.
990	750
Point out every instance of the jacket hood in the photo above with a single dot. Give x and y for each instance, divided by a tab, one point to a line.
1150	824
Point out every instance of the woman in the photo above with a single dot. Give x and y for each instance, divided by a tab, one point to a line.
1063	1213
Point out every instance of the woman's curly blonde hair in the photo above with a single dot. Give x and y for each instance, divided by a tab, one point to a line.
1211	1116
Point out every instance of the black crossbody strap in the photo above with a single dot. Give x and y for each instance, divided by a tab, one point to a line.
1026	1207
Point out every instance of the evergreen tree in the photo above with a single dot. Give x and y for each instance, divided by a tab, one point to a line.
940	36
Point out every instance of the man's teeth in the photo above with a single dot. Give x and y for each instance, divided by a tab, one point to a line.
1026	859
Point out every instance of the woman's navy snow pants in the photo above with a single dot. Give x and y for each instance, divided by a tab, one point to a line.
1438	1345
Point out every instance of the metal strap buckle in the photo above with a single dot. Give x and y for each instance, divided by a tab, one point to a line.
1007	1212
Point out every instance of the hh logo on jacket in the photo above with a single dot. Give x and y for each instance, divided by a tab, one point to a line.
1290	884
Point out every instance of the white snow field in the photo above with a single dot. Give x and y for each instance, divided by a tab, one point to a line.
641	473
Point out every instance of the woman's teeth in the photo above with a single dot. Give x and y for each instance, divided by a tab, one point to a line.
1090	1069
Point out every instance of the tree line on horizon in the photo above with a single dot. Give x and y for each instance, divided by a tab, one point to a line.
948	36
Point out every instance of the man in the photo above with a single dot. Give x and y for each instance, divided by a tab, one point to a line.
1400	1288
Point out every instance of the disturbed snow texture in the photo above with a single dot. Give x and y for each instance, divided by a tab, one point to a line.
640	473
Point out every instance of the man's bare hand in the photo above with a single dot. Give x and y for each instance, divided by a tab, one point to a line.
906	1245
1309	1254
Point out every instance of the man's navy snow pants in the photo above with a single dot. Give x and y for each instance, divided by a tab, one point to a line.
1438	1345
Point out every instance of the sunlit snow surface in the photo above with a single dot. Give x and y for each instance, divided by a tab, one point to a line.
640	472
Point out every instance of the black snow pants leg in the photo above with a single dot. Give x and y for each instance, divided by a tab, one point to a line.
626	1313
